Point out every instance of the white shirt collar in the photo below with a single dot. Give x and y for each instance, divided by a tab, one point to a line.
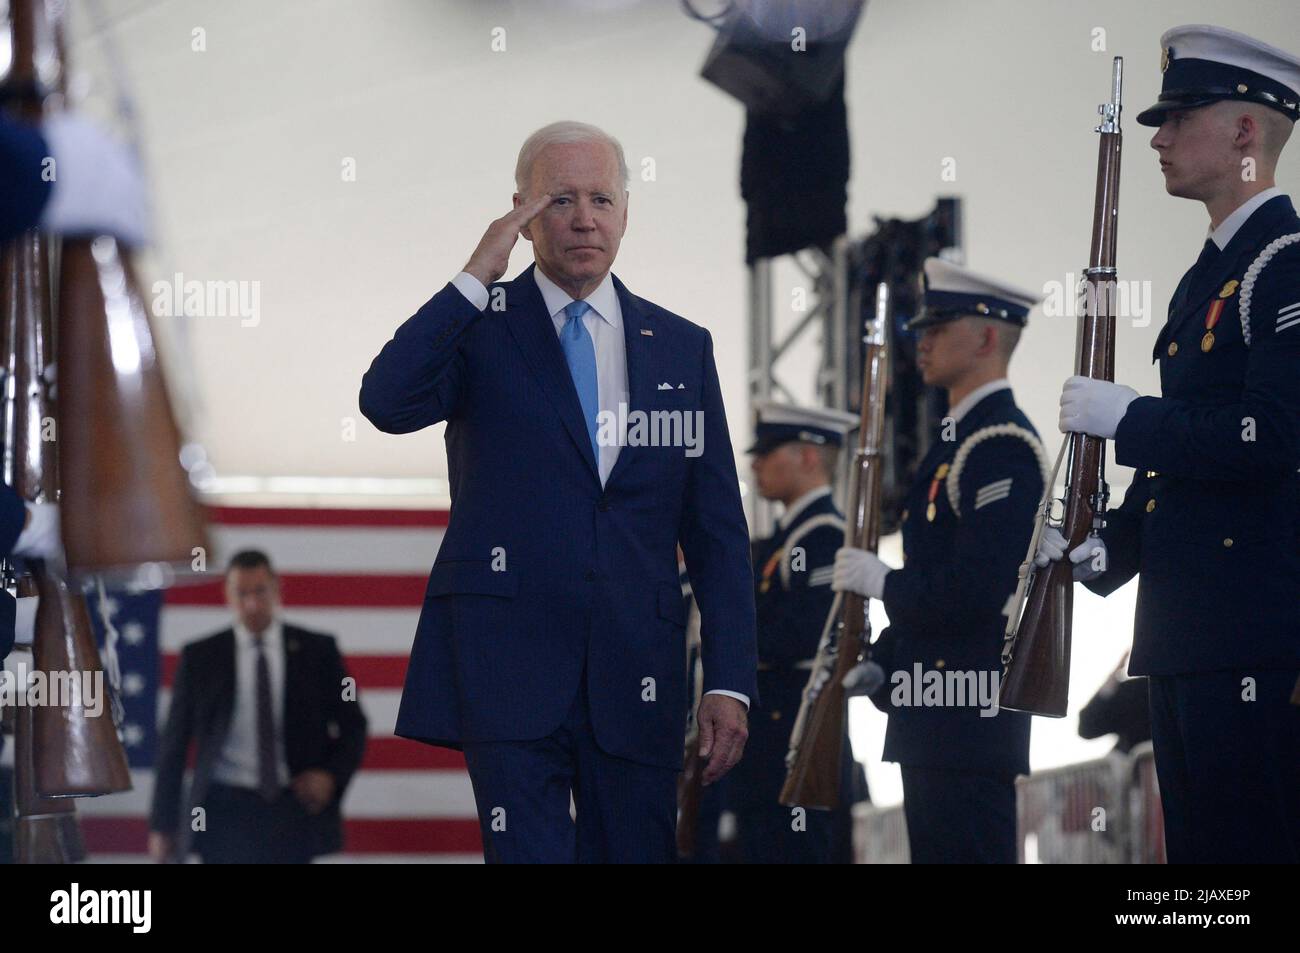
1232	224
974	397
271	638
798	506
604	300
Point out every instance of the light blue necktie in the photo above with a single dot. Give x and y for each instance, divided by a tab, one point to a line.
580	352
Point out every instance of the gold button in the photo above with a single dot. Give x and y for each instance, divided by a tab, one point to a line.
1173	348
1151	505
776	716
939	663
1228	542
1242	87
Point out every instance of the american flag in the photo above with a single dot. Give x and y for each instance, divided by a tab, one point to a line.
358	575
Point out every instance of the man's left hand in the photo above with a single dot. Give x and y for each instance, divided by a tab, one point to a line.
724	727
314	789
1094	407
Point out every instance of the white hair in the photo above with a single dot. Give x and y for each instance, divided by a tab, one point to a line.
562	133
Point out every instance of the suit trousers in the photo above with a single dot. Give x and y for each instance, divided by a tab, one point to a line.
1228	762
625	812
959	817
244	828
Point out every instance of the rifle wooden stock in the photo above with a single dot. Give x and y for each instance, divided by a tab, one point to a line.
814	778
45	828
1036	675
690	791
127	499
817	740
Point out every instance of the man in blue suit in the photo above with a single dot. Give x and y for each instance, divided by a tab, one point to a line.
585	438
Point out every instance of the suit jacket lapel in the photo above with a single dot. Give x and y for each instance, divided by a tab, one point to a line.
638	355
223	684
533	330
292	648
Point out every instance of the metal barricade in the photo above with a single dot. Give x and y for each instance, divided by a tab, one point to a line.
1076	814
1146	820
879	835
1096	812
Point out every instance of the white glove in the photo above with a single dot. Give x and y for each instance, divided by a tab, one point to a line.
40	537
1089	557
857	570
98	185
1094	407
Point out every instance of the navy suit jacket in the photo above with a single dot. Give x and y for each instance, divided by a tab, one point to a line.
23	191
543	576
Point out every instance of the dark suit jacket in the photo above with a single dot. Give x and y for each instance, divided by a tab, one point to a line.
321	730
543	573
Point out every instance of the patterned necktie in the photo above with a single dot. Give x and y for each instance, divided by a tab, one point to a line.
268	783
580	352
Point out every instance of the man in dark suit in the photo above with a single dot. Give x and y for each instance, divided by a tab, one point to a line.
1211	521
585	438
279	734
969	517
794	452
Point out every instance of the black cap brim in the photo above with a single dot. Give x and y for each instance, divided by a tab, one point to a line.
1155	115
767	444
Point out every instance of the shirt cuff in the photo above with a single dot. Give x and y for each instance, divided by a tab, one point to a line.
472	289
737	695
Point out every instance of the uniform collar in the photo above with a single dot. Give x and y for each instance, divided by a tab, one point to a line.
604	300
974	397
1229	227
798	506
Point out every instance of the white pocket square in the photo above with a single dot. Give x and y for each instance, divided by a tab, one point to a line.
665	386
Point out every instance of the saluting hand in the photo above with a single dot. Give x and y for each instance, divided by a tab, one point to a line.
724	728
492	256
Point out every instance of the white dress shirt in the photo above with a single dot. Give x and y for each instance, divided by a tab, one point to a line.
604	322
974	397
1232	224
237	764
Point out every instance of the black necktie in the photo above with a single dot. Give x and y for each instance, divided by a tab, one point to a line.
1206	261
268	783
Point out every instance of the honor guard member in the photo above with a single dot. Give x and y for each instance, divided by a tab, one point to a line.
968	518
1211	522
795	452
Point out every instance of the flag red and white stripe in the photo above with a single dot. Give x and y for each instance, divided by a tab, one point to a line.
360	576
